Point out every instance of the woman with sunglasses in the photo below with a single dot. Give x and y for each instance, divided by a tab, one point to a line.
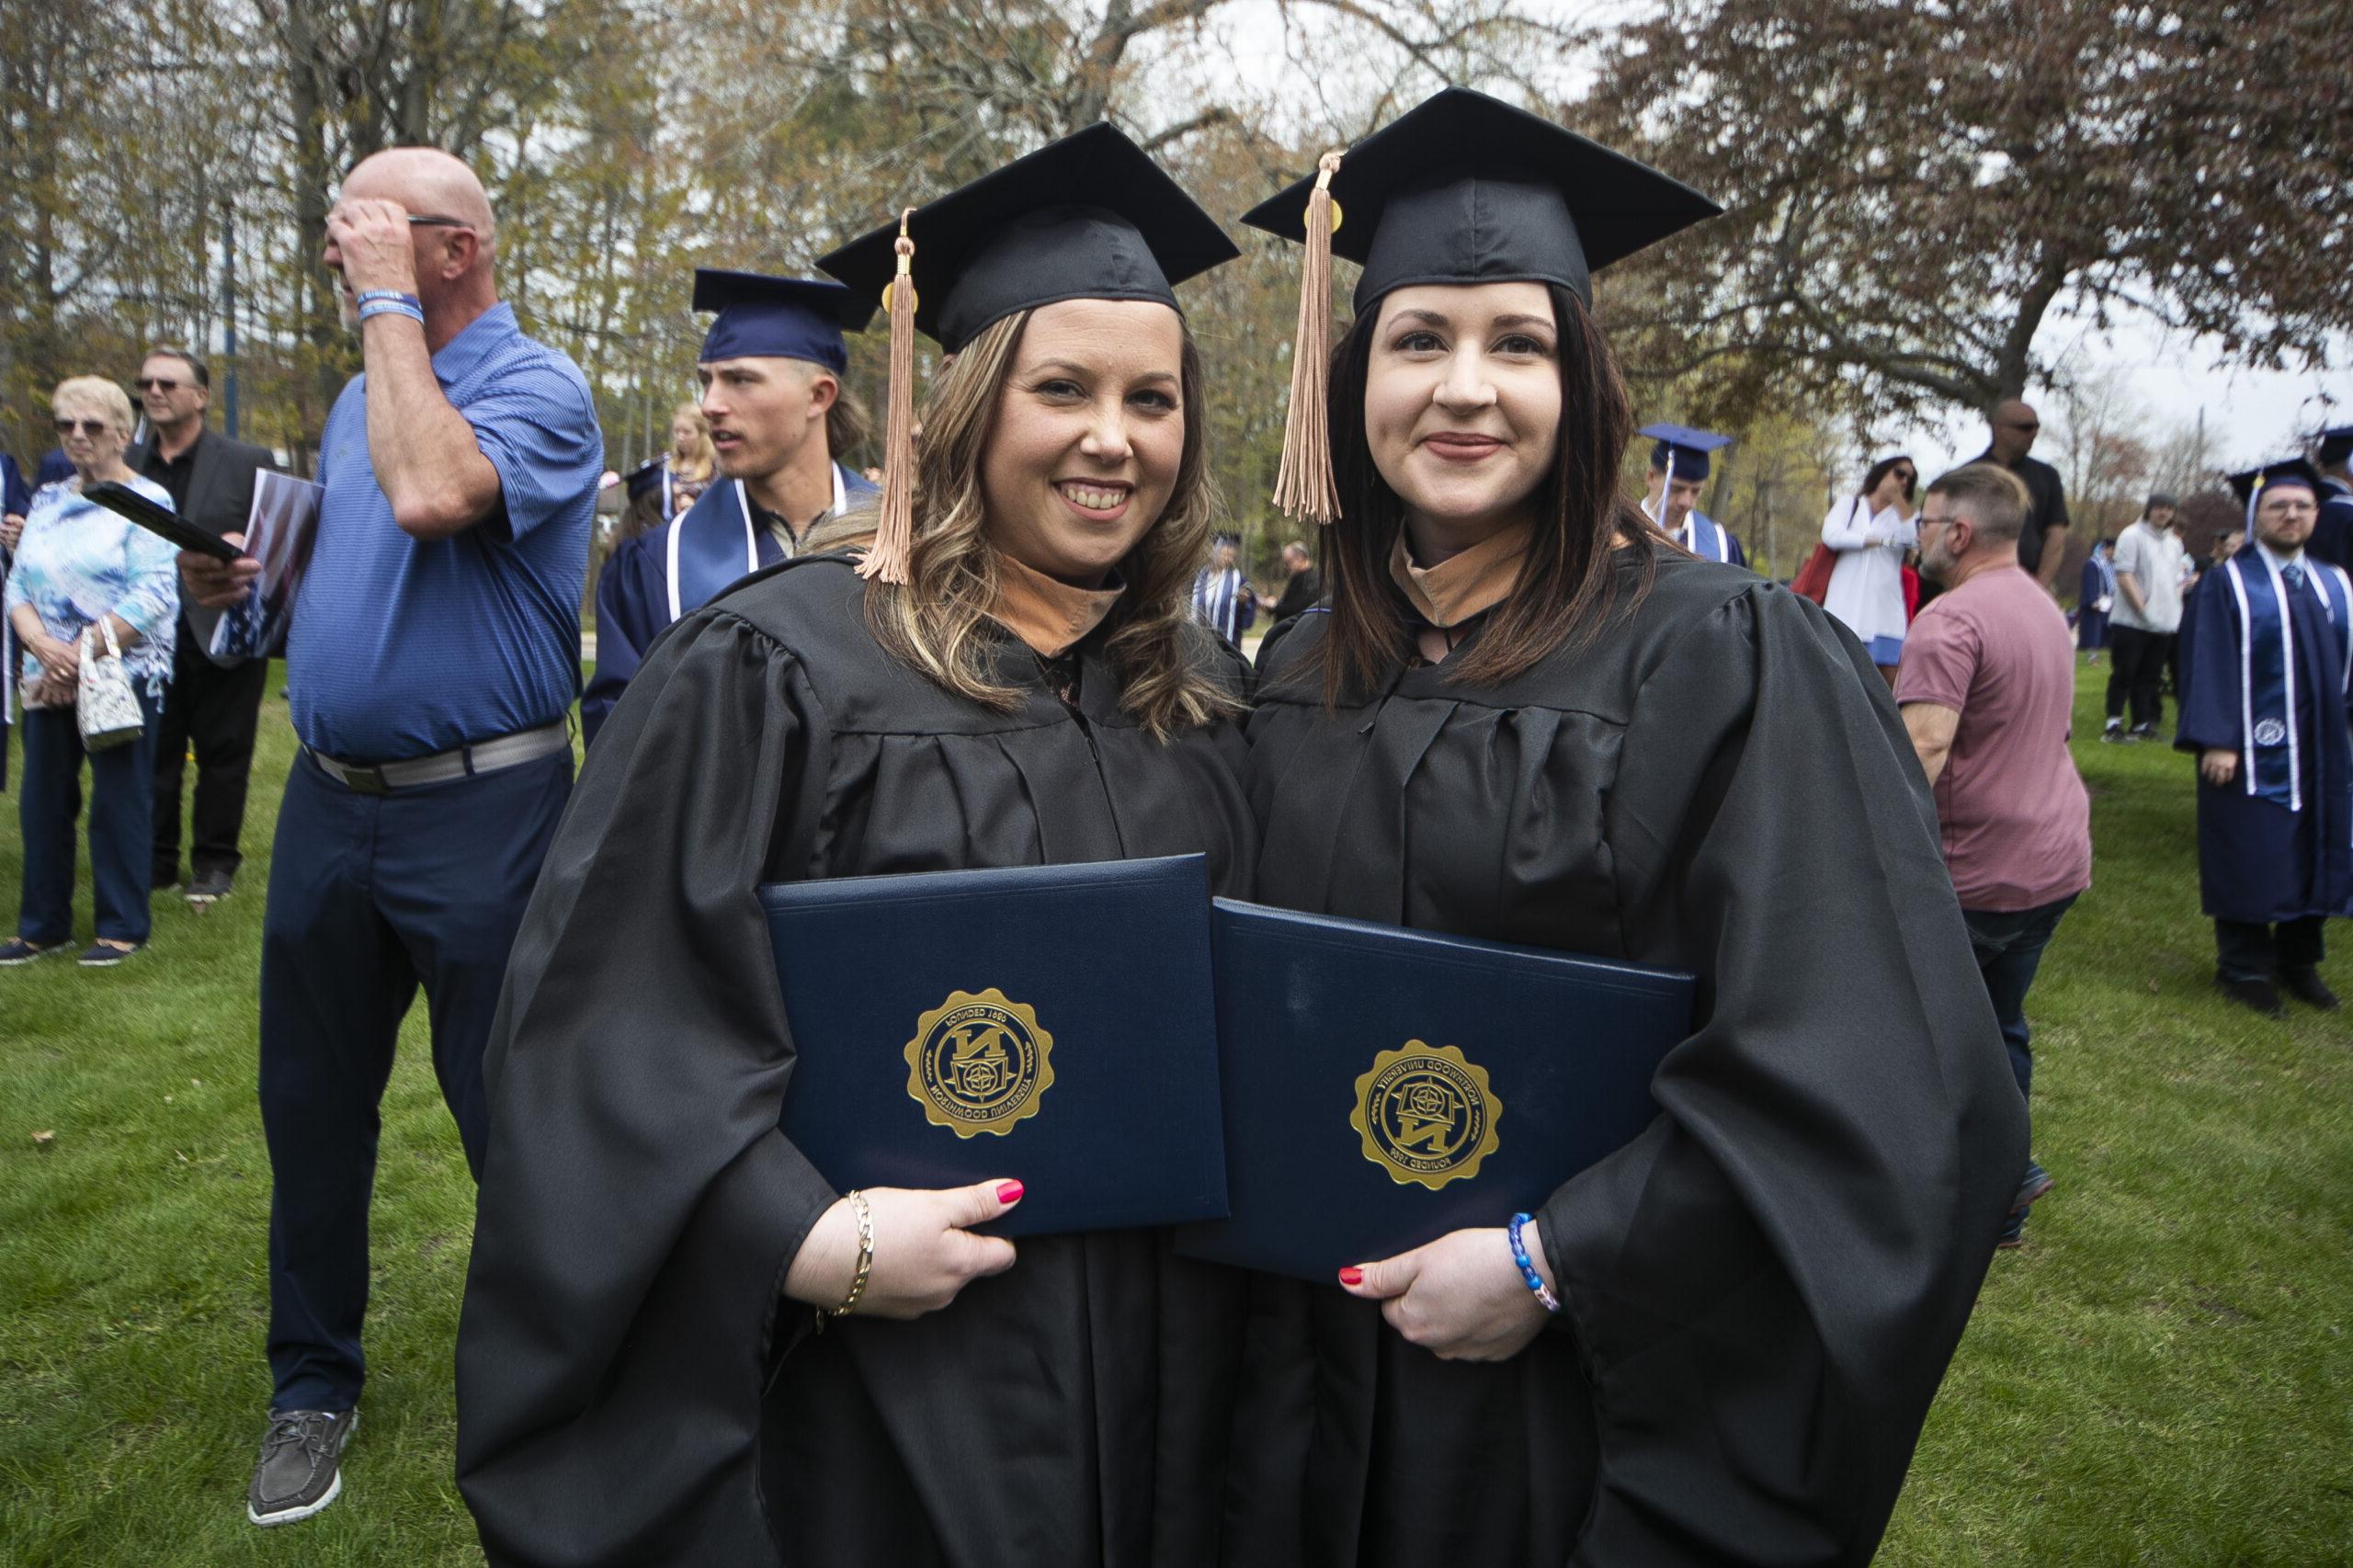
1526	717
76	565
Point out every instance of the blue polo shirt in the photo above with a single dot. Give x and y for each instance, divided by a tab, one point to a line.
401	647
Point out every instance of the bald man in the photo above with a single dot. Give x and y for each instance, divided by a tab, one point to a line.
2041	544
432	658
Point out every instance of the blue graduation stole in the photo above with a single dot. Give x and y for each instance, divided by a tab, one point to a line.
1705	537
2271	752
715	542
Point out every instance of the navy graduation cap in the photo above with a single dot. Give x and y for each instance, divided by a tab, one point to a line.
1683	446
1462	189
777	318
1089	217
2250	485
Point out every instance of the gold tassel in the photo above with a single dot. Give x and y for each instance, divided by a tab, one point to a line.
1304	489
891	554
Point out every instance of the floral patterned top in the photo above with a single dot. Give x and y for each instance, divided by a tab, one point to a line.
78	561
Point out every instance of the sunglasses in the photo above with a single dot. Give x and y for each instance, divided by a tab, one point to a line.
426	220
158	384
90	427
2029	425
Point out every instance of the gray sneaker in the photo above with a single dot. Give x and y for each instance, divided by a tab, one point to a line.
302	1465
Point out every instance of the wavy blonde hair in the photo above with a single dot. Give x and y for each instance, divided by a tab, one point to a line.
934	622
705	457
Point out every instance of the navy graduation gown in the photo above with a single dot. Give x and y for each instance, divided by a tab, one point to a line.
1710	541
668	571
2260	860
1761	1292
2332	538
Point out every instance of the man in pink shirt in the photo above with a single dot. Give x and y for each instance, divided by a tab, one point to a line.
1987	689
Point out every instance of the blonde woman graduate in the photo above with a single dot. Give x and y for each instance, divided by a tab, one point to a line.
1006	673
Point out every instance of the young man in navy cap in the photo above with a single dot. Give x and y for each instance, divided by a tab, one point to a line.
771	372
1674	504
2270	672
2332	538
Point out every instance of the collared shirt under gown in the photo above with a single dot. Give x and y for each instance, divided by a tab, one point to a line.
632	1386
1761	1292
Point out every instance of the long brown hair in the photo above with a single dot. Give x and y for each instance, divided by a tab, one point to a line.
933	623
1567	586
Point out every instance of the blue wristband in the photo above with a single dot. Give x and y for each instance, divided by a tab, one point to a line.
395	307
370	296
1544	1296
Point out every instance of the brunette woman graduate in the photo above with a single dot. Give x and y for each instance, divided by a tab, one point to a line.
1526	717
1009	677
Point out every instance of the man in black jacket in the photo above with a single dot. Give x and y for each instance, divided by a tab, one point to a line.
211	481
2041	544
1306	585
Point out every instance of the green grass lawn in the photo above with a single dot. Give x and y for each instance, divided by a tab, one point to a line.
2159	1378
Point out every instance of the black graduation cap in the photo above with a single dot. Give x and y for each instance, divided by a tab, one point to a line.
1465	189
2335	442
646	476
777	318
1683	446
1089	217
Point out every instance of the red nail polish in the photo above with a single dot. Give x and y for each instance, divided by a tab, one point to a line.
1352	1275
1008	1192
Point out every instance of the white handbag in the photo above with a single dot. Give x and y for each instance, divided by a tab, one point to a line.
108	709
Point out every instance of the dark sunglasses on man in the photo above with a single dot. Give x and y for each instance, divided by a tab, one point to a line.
158	384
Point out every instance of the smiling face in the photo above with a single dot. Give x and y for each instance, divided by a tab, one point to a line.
1087	436
1462	404
92	435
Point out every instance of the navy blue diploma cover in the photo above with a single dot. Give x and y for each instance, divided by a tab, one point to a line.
1384	1087
1051	1023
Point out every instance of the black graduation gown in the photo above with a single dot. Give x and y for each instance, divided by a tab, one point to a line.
632	1386
1762	1292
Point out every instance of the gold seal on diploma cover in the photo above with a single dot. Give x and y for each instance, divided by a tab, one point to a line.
1426	1114
979	1063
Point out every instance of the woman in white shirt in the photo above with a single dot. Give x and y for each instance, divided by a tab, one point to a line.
1870	531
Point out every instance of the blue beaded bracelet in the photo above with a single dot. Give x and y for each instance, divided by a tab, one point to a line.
1544	1296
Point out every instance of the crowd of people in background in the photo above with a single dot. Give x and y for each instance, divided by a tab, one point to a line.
435	658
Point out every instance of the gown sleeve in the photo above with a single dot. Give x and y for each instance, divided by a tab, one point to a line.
1766	1285
625	629
2211	716
639	1208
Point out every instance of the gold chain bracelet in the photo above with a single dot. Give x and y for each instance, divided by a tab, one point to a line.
865	1253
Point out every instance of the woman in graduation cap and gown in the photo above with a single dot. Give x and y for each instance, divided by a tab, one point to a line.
1011	678
1526	717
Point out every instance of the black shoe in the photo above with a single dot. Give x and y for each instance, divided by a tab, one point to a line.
2255	993
20	951
209	888
2305	985
2143	732
102	955
302	1465
2115	735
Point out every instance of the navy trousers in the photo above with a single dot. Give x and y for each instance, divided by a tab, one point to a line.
48	805
2009	946
369	897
